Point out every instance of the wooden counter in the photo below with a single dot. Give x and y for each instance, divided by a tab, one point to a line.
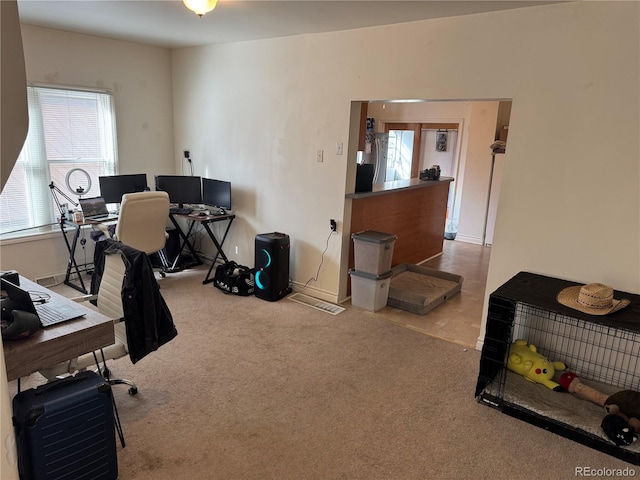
413	210
393	187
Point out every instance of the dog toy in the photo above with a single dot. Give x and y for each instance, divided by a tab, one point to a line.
526	361
622	422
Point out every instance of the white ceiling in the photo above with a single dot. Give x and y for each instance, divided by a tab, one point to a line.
168	23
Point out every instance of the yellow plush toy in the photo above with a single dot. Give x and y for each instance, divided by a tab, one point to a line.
526	361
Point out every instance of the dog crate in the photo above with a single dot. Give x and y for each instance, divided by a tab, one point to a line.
604	351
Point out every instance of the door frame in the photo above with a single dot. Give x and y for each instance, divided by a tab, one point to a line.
417	129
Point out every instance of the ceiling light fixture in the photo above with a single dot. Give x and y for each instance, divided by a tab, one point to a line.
200	7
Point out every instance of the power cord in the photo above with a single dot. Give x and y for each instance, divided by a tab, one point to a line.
315	279
39	297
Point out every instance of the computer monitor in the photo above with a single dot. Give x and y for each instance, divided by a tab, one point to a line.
181	189
114	186
216	193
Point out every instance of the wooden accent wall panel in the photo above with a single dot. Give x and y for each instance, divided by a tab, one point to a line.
416	216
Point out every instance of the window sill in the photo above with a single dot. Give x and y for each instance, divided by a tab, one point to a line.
31	235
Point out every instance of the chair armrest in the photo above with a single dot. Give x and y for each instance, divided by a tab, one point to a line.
104	229
84	298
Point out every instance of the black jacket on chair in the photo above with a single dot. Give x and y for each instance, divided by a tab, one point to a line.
148	321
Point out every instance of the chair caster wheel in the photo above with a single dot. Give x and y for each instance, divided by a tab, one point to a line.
106	373
133	391
162	274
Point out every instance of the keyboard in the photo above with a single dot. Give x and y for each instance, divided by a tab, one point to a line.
49	316
180	211
56	312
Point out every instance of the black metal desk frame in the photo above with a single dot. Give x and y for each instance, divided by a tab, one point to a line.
205	221
72	266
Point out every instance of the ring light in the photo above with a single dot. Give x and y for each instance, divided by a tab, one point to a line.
80	190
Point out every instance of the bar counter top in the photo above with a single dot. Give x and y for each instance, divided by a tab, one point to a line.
390	187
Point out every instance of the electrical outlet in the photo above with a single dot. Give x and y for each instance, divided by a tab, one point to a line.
333	224
186	154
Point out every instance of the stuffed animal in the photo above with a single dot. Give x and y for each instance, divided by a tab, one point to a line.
622	422
526	361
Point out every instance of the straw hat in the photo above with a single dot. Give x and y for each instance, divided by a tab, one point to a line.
593	298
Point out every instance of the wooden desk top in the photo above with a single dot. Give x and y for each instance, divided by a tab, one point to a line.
58	343
206	218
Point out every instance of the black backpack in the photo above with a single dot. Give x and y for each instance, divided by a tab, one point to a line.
234	279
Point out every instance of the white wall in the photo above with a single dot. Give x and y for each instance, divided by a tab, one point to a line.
255	113
140	78
477	172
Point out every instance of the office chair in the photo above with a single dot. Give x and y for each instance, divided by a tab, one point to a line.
109	303
142	223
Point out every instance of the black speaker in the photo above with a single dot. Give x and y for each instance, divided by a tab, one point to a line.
272	266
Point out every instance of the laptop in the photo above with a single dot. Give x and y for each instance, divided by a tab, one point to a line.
50	313
95	208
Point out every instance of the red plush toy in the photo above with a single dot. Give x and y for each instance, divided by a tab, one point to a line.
622	424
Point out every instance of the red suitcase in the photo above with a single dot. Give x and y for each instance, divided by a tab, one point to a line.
65	430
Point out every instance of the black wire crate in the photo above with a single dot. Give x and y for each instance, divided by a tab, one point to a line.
603	351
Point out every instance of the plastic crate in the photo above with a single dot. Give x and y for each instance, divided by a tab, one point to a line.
373	251
369	292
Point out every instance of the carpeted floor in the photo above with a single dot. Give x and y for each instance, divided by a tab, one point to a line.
258	390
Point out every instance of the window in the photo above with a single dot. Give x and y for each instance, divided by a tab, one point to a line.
70	132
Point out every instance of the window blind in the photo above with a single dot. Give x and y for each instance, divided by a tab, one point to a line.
70	131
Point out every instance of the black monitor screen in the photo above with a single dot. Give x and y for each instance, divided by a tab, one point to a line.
181	189
113	187
216	193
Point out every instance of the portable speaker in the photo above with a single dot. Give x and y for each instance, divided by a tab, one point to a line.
272	266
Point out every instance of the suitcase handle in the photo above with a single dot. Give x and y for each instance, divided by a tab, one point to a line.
57	384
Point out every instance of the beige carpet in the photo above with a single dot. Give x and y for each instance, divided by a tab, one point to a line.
257	390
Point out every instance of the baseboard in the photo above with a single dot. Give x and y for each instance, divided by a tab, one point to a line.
469	239
314	292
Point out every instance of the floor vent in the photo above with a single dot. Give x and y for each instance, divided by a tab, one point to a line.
317	304
50	281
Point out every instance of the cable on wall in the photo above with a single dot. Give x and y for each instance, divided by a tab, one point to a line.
315	279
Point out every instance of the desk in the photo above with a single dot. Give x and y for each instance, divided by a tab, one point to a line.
205	221
71	248
52	345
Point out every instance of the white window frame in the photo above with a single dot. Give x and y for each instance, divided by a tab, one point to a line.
36	168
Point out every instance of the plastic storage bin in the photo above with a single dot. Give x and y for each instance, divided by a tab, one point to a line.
369	292
373	251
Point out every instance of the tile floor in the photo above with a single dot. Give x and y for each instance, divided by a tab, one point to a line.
458	319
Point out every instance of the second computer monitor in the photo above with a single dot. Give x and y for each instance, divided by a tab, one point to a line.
181	189
114	186
216	193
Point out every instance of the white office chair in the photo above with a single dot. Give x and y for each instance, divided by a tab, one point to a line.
109	302
141	225
142	222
